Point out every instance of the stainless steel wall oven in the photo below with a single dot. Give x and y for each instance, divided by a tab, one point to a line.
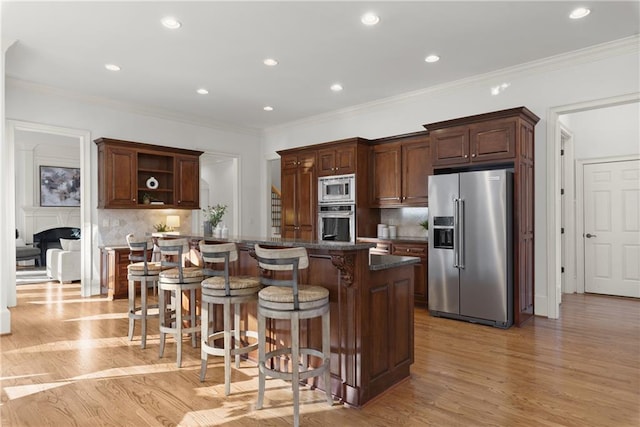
337	223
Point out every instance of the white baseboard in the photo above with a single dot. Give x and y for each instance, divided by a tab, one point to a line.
541	308
5	321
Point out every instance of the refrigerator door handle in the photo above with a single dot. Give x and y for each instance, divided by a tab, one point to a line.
460	233
456	254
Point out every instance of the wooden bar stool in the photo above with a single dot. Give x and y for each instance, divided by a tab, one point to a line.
222	289
147	274
286	299
174	280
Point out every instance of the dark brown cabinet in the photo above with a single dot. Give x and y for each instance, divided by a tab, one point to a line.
498	139
134	175
406	248
400	167
337	161
420	275
490	141
113	271
299	195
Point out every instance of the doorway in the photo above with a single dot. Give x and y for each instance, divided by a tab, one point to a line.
553	175
19	129
219	184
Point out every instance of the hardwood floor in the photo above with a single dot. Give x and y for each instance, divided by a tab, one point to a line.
69	363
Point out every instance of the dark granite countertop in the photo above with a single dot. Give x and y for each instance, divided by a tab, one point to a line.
278	241
383	262
399	239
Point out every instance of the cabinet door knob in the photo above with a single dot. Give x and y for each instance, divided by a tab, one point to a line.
179	201
466	156
473	155
133	200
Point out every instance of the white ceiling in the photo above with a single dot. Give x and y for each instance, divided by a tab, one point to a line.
221	46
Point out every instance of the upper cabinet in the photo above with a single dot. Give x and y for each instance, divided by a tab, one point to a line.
133	175
338	160
493	140
400	167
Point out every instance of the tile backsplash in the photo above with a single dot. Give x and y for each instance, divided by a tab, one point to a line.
407	220
115	224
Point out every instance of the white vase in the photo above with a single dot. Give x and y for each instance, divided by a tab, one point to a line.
217	232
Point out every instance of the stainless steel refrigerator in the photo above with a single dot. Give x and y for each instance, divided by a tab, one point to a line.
470	246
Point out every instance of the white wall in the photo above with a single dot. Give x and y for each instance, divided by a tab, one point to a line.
606	132
34	104
601	72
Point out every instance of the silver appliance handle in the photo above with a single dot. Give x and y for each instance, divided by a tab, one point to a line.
456	254
461	233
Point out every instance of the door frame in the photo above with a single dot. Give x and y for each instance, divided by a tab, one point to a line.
88	285
580	241
568	213
553	214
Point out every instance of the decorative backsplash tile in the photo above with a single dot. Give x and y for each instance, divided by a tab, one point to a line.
115	224
407	220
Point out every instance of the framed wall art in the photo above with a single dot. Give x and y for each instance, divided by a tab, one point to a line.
59	186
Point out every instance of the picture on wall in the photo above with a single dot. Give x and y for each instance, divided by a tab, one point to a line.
59	186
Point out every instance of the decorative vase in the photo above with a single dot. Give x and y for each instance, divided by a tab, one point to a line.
217	232
208	228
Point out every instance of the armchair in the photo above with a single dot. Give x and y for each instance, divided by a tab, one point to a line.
64	264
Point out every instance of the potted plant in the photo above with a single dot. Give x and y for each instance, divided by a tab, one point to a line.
425	224
160	227
213	217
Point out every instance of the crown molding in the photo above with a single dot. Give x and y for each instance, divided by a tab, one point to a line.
594	53
130	107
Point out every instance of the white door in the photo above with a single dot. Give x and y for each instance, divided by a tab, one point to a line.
612	228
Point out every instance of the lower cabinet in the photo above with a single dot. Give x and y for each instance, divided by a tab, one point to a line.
407	248
113	271
420	275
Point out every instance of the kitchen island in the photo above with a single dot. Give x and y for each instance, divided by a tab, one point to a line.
371	312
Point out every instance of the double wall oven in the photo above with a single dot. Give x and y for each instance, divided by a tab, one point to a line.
337	208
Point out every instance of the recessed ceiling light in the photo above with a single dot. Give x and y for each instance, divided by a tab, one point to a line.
268	108
171	22
580	12
432	58
336	87
270	62
497	90
370	19
202	91
112	67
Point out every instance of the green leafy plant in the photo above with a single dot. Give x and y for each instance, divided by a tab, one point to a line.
214	214
160	227
425	224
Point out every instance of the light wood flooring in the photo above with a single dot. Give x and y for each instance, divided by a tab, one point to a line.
68	362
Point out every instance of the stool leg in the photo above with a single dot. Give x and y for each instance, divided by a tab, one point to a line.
204	328
178	306
192	312
162	317
262	326
227	347
132	307
236	328
326	351
143	310
295	367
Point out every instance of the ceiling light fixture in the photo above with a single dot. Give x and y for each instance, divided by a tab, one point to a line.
497	90
336	87
270	62
268	108
171	22
432	58
112	67
370	19
202	91
580	12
